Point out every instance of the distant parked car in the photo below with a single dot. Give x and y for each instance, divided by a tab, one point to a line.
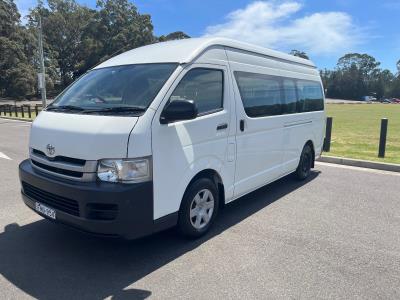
396	100
387	101
368	98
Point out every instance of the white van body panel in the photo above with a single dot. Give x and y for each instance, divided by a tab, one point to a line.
89	137
270	147
299	128
188	50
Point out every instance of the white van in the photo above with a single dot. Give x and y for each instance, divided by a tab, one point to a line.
166	134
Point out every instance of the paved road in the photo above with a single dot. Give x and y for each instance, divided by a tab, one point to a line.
335	236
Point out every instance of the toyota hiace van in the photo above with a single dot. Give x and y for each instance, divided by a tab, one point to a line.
165	134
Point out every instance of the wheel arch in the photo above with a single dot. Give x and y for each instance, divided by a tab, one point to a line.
216	178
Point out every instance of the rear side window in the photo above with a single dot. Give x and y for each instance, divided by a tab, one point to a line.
204	87
261	94
310	96
289	105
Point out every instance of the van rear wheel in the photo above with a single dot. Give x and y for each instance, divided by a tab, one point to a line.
199	208
306	159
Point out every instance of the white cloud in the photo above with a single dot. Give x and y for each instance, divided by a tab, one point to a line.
275	25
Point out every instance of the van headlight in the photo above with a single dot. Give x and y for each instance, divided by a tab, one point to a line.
124	170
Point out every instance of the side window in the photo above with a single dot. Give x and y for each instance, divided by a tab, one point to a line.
261	94
204	87
289	97
310	96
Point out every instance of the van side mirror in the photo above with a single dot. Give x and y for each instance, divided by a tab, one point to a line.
178	110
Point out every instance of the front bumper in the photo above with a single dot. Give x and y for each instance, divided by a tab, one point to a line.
113	209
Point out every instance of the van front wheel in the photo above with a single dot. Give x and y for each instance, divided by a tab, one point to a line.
305	163
199	208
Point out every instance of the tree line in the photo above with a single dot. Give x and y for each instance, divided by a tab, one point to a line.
357	75
76	38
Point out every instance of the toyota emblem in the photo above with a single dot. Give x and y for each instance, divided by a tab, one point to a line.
50	149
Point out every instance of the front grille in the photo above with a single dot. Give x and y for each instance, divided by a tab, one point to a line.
58	170
66	205
65	159
64	167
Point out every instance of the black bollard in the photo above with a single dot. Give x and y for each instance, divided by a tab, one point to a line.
328	134
382	138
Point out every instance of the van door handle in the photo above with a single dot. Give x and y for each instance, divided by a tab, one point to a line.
222	126
241	125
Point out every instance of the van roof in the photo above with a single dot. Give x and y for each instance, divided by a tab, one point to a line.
186	50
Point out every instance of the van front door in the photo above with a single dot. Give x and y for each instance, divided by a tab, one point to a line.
182	149
259	131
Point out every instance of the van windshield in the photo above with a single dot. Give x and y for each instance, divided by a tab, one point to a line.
114	90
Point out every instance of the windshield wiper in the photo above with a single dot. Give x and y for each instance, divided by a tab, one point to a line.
121	109
65	107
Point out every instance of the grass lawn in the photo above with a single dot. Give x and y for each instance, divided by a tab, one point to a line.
356	129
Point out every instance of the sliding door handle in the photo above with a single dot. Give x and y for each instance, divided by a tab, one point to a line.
241	125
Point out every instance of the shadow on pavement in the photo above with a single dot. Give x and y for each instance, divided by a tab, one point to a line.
53	262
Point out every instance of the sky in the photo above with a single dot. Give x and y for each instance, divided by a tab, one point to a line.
324	29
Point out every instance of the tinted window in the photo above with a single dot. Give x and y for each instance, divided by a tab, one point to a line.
289	105
261	94
204	87
310	96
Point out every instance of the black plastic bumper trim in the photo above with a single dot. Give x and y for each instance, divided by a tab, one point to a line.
134	202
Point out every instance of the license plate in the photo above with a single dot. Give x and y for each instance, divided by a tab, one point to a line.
47	211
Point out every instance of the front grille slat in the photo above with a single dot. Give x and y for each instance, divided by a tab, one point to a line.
58	170
41	196
52	203
77	161
57	202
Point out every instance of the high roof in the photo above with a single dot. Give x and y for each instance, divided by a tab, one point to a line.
186	50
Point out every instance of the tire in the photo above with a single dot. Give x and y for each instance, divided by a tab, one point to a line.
199	208
306	159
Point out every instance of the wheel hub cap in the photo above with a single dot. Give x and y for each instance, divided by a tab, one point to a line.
201	209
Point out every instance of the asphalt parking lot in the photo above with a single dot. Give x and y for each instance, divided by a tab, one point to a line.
334	236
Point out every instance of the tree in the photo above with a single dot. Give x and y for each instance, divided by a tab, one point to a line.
177	35
357	75
114	28
383	84
9	18
75	38
365	63
17	76
63	23
298	53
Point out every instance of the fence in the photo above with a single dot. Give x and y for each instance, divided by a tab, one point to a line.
382	137
22	111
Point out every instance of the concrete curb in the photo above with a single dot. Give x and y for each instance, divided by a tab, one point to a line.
18	119
360	163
